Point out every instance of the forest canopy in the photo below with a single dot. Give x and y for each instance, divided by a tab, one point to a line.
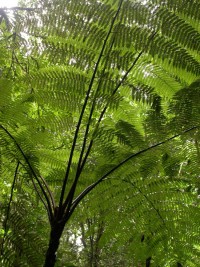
99	133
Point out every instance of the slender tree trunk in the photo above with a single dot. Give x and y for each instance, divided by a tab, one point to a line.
56	232
148	262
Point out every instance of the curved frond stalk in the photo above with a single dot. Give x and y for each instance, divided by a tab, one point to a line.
72	190
148	200
108	102
48	206
80	164
92	186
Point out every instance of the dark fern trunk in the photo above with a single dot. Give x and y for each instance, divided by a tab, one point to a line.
55	235
148	262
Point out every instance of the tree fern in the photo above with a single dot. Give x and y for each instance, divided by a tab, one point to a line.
99	102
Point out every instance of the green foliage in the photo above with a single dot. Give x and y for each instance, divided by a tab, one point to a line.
99	124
